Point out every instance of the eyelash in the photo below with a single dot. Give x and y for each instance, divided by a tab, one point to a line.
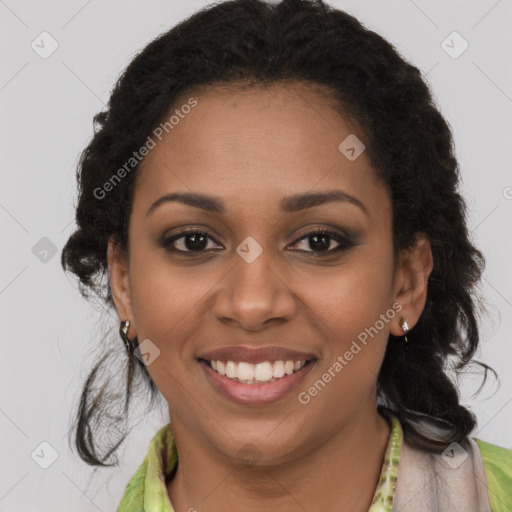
344	242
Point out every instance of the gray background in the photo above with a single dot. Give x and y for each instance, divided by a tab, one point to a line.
46	110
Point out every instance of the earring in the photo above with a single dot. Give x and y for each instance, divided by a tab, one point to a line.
405	326
123	332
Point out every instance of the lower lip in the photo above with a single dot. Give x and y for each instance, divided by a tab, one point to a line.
255	394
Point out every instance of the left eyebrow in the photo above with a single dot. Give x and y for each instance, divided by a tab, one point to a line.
310	199
289	204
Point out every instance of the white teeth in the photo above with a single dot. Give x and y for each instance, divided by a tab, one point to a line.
231	369
261	372
278	369
245	371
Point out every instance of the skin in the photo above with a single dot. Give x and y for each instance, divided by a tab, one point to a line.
251	148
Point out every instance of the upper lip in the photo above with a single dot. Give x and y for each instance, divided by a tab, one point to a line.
255	355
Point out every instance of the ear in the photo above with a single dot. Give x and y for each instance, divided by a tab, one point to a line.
120	285
411	282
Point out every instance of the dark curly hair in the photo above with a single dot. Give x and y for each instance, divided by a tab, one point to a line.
251	43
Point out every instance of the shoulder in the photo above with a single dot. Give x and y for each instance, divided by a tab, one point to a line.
497	462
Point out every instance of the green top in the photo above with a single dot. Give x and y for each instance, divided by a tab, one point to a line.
498	470
147	491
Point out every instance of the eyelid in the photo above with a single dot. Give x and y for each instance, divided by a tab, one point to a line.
329	228
349	234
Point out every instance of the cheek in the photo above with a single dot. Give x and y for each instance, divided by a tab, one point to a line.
161	292
163	301
152	295
356	313
355	304
353	296
163	305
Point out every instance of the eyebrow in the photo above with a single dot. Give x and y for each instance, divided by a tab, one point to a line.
289	204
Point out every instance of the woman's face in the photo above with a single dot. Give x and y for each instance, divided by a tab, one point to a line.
251	277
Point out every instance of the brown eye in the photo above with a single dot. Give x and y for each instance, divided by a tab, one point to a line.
320	241
189	240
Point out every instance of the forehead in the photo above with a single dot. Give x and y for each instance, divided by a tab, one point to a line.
256	143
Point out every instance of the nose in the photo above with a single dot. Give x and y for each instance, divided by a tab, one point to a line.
254	296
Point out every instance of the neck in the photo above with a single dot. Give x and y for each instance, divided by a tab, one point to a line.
346	466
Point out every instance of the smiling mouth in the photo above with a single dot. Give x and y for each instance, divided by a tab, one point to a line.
260	373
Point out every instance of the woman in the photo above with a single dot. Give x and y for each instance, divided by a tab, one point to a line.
273	196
